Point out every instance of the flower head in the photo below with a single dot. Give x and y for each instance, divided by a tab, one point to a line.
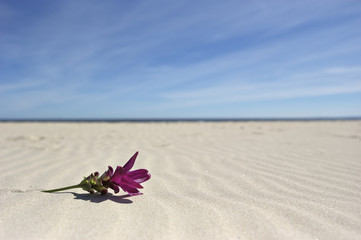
122	178
127	180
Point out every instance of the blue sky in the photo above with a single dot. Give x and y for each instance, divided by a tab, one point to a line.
180	59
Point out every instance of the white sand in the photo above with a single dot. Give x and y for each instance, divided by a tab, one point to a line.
250	180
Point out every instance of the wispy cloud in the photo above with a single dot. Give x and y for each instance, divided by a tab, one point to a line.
121	56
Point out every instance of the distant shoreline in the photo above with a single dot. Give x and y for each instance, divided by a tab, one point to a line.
147	120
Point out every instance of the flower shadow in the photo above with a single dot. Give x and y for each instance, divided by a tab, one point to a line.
98	198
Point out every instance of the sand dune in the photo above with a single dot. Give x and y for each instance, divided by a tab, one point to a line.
224	180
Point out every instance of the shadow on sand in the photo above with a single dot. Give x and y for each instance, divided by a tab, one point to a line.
98	198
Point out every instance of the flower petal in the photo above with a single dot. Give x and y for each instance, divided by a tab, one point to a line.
130	182
130	163
139	176
114	187
110	170
131	191
117	175
119	170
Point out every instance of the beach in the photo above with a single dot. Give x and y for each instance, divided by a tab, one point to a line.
210	180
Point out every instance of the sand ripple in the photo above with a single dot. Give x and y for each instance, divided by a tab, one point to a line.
254	180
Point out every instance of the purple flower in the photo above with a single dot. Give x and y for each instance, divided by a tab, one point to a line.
128	180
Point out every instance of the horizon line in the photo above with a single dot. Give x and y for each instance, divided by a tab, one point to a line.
190	119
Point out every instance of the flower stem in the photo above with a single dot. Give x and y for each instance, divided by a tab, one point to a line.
62	189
